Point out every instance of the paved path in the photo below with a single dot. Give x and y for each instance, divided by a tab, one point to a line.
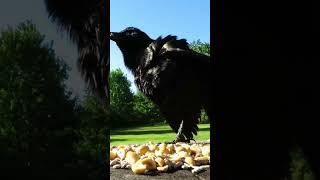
122	174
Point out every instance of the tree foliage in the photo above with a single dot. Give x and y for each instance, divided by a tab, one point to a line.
121	98
37	113
93	133
200	47
146	109
93	128
120	93
203	48
127	108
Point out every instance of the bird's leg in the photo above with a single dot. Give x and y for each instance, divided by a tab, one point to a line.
180	137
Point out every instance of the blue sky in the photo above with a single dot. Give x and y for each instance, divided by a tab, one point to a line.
188	19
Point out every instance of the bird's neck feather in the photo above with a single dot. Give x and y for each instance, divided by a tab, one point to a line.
130	60
131	56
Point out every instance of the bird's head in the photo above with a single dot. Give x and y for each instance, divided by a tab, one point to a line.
130	41
130	37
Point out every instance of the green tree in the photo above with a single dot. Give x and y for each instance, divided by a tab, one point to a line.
145	109
93	135
93	128
203	48
121	97
37	113
200	47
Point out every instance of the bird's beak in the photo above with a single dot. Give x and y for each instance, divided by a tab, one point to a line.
114	36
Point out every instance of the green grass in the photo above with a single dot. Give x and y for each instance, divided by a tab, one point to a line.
156	133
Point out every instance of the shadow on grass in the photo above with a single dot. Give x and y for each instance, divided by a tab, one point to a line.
117	139
204	129
142	132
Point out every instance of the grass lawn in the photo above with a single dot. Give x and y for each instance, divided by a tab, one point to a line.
156	133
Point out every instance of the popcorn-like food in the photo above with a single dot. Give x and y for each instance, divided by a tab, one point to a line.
195	149
114	150
176	158
189	160
163	157
139	169
150	155
122	153
141	150
182	154
170	148
202	160
186	147
180	148
153	147
143	166
115	161
206	150
112	155
160	161
131	157
163	169
149	163
163	149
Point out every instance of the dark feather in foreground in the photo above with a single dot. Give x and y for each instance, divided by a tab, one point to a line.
173	76
80	19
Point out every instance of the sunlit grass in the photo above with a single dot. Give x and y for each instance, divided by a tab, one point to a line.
156	133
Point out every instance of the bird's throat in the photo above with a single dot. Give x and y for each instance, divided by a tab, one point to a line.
130	60
131	53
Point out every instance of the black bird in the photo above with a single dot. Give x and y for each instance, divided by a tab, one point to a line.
177	79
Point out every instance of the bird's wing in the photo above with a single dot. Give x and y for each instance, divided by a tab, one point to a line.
184	79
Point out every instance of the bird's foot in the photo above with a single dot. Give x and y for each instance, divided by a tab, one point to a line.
181	141
181	138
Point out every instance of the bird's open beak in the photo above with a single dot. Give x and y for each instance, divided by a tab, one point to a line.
114	36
